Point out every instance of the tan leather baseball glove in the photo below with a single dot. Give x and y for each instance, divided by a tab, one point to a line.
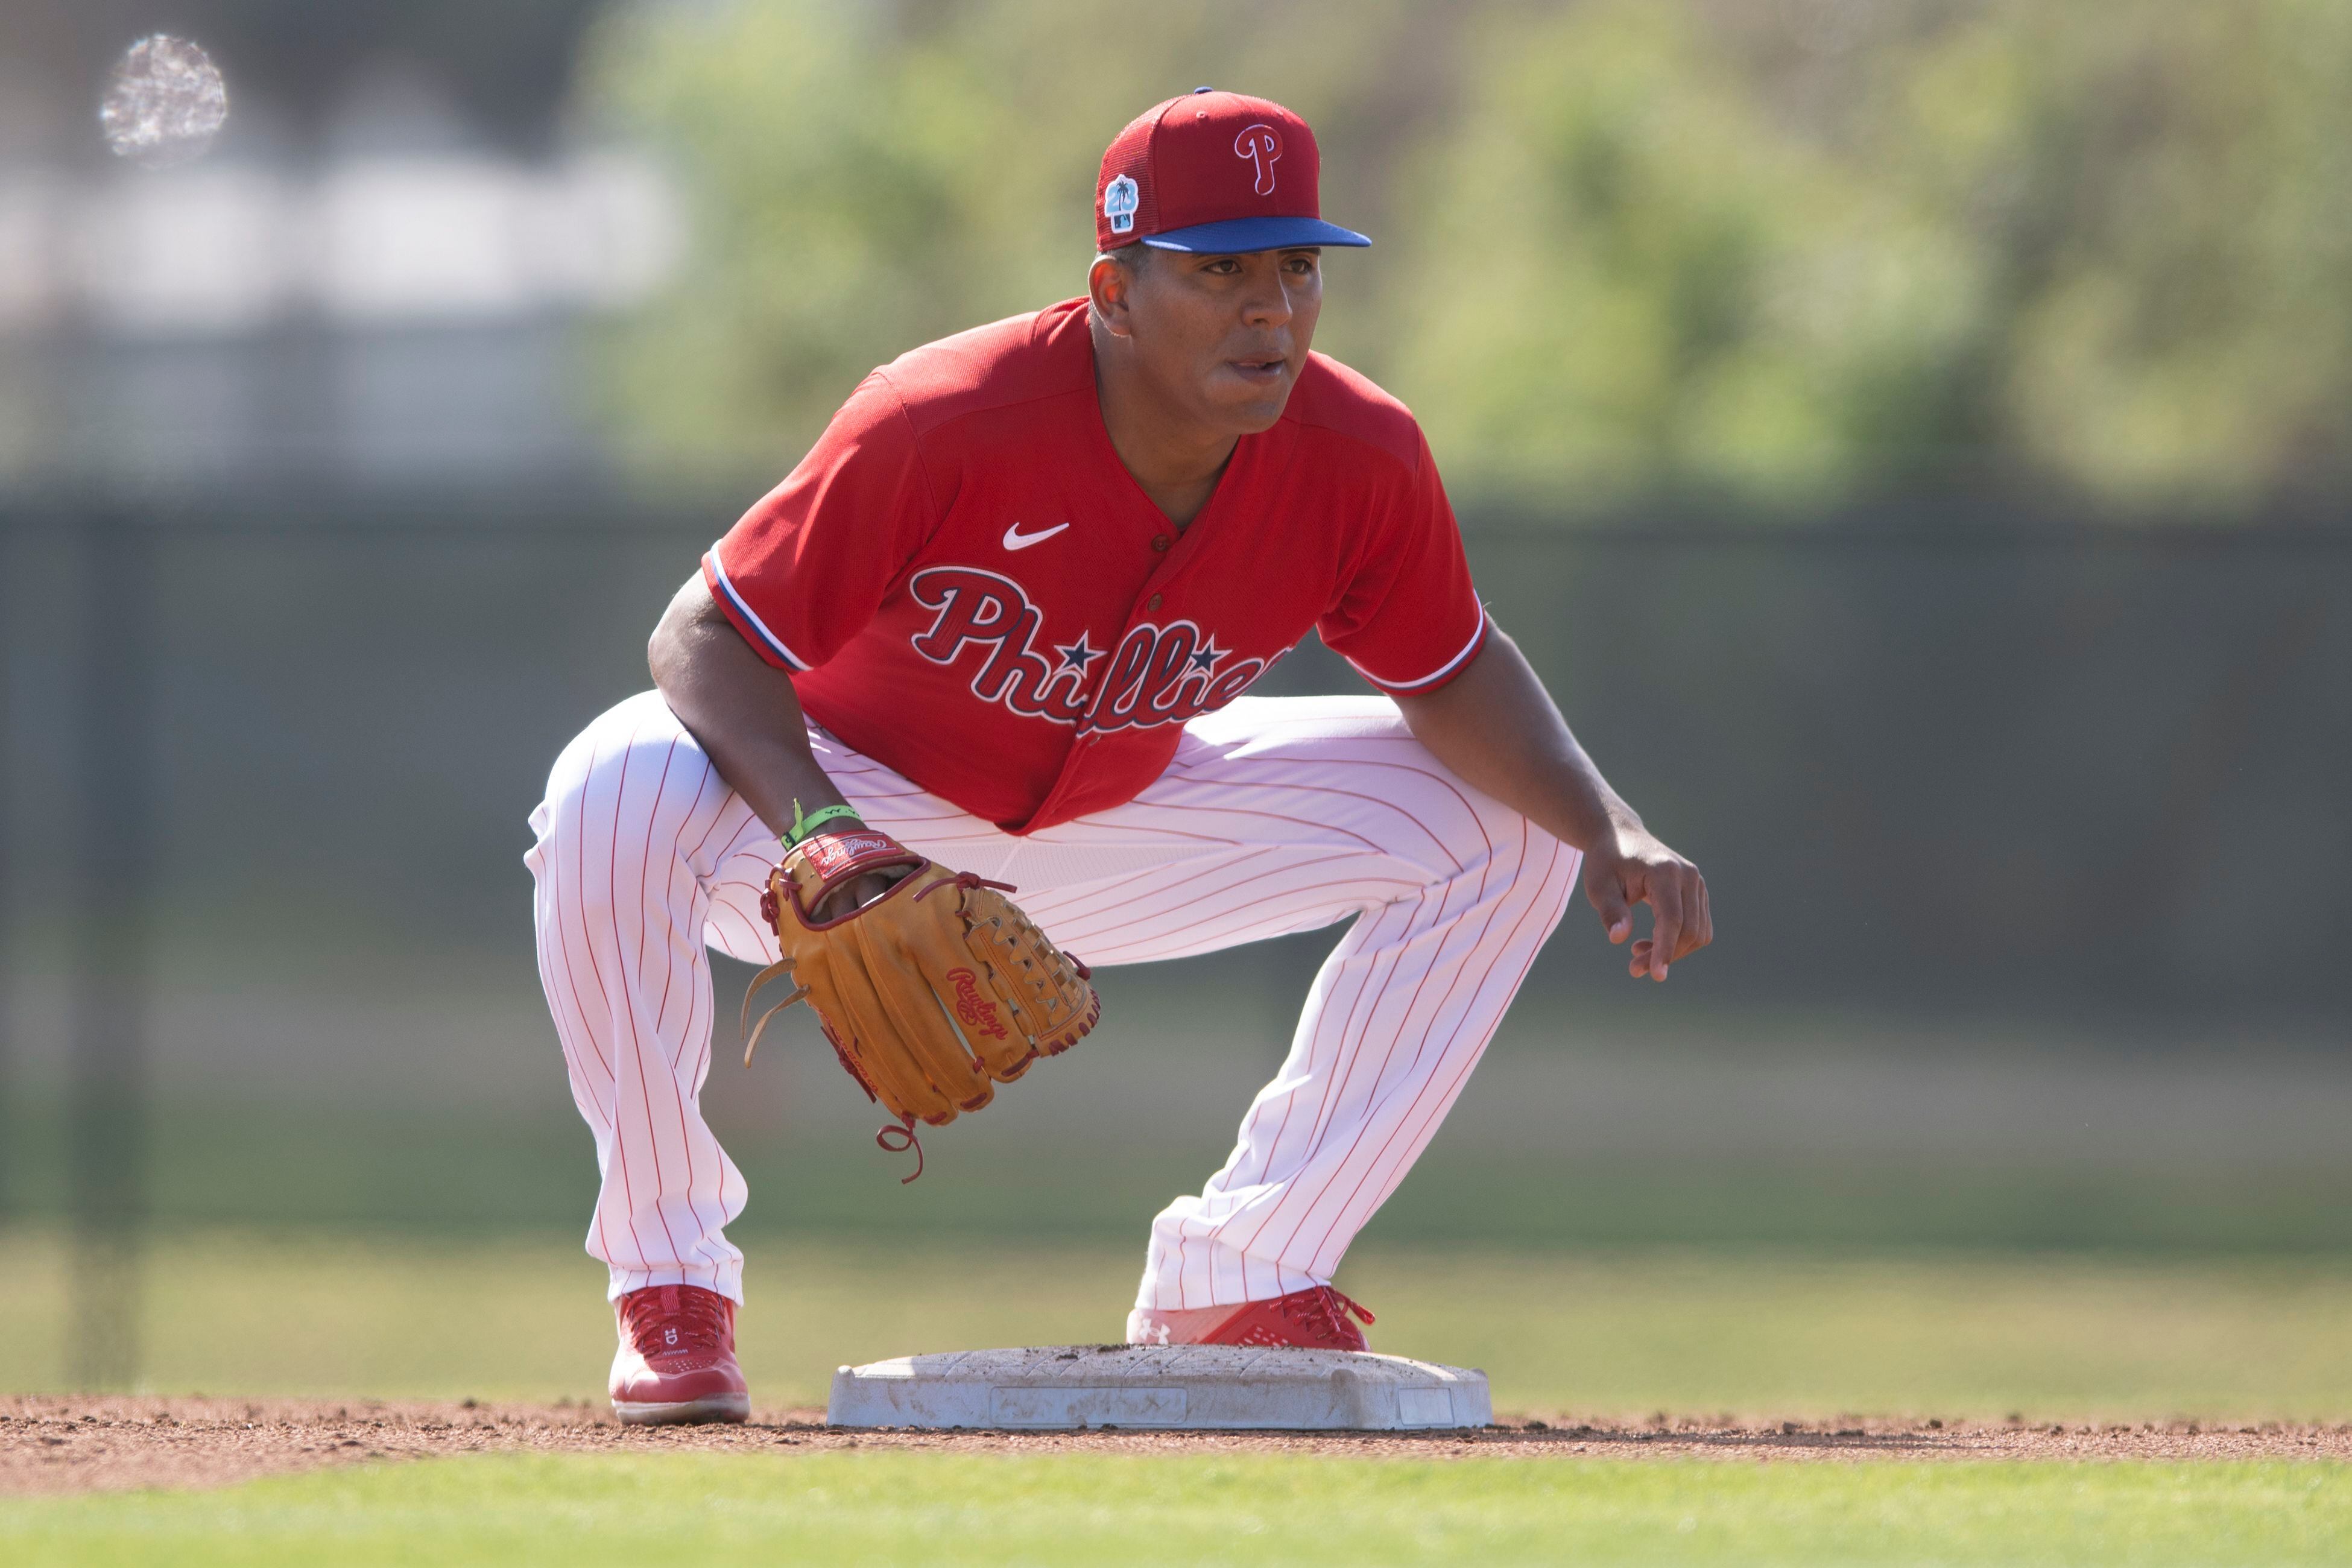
932	993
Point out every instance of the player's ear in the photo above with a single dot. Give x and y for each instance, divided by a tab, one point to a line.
1111	285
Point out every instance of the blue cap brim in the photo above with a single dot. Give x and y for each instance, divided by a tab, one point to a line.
1235	236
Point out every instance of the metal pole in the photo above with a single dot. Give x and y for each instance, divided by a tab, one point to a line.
107	1110
11	1131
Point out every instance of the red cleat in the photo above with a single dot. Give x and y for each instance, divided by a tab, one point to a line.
676	1360
1313	1318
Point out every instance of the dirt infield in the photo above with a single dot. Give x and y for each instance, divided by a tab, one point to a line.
92	1444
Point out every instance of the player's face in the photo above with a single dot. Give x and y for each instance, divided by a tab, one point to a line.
1227	335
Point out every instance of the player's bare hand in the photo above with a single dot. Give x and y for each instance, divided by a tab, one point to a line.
856	894
1634	867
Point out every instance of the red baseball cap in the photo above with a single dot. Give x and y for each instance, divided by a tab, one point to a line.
1215	173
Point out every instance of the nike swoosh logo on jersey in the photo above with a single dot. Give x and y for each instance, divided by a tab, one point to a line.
1016	540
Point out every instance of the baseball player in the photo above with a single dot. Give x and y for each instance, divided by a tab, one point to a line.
980	666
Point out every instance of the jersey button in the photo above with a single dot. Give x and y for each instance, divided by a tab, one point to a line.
1153	603
1162	542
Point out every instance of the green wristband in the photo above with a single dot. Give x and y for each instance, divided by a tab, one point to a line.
803	825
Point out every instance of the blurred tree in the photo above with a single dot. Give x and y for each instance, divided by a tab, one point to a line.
2165	210
1632	271
865	178
2103	249
1783	251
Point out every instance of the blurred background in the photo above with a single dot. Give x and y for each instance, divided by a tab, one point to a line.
1908	435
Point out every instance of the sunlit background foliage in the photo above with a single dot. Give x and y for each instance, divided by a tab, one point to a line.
1790	252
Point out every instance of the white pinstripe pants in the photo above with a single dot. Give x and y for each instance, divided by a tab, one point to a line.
1278	815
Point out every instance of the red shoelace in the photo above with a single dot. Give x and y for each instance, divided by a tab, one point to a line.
1323	1311
698	1317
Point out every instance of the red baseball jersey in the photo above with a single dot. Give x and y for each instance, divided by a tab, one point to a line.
968	586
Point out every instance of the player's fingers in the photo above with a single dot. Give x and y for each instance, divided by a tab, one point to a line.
1665	924
1607	895
1698	915
1638	963
856	893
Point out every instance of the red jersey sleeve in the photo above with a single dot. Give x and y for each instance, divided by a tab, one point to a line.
1408	618
805	569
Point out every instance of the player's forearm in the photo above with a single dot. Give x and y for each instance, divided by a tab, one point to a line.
1496	726
742	710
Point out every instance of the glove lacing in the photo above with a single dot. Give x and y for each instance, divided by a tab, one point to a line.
965	879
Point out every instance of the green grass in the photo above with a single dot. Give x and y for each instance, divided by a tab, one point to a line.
1795	1334
1771	1333
435	1171
915	1507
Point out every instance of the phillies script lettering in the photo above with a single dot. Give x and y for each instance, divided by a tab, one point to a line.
973	1011
1157	674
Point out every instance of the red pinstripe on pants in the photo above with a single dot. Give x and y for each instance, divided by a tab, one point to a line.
1277	815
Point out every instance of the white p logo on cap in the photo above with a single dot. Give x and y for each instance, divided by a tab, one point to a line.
1261	145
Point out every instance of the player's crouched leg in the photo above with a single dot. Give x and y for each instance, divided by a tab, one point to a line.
635	823
1452	895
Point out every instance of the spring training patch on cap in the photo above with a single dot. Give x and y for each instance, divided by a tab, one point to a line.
1120	198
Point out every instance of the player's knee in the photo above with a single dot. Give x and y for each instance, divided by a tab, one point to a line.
617	771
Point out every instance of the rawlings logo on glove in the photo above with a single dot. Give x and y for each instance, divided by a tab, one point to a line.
972	1010
932	993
